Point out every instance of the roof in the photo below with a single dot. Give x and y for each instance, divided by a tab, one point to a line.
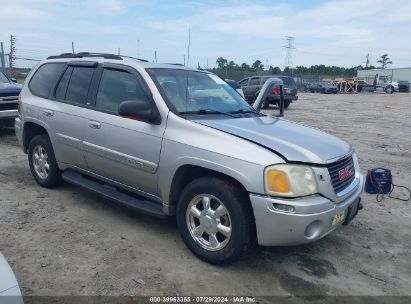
117	59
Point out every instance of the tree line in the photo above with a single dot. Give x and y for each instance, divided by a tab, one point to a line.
230	65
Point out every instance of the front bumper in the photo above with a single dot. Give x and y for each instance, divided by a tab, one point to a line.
8	114
311	220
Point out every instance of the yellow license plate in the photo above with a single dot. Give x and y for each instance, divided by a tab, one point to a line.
338	218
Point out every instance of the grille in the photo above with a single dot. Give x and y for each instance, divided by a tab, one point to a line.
8	106
11	94
334	170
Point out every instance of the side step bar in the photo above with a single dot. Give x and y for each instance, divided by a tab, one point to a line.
135	202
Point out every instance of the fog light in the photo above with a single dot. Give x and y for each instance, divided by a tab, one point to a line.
284	208
313	230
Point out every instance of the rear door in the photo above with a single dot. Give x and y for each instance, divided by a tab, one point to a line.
254	86
63	89
72	100
124	150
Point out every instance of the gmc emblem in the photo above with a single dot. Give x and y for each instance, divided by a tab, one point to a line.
343	174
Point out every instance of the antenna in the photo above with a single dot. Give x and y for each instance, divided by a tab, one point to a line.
289	53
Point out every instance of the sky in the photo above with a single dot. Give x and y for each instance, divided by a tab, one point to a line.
332	32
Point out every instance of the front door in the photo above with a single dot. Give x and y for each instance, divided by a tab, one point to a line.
121	149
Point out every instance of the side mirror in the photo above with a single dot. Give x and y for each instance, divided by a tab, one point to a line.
14	80
268	88
139	110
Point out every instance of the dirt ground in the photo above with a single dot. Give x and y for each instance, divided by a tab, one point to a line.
67	241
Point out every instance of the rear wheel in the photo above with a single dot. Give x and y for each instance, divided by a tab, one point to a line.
43	164
286	104
215	220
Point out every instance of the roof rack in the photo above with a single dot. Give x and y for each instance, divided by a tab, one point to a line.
93	55
179	64
86	54
139	59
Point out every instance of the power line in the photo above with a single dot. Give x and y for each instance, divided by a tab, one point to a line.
12	55
289	53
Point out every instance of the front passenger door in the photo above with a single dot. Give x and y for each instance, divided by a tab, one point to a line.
124	150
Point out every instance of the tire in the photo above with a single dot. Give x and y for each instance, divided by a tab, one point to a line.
286	104
43	164
238	218
265	104
335	92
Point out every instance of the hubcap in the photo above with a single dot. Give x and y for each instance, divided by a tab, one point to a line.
41	162
209	222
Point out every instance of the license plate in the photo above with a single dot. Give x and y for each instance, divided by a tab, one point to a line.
338	218
287	91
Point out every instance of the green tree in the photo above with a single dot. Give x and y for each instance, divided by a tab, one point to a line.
245	66
257	65
221	62
385	60
275	70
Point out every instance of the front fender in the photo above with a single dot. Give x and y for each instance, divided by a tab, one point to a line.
176	155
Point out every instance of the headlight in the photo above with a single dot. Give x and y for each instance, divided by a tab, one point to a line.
290	180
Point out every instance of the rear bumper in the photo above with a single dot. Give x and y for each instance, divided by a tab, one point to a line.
311	221
18	129
276	98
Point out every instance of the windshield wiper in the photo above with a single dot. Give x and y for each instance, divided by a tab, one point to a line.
241	111
206	111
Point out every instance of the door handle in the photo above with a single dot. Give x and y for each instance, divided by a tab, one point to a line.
48	113
94	124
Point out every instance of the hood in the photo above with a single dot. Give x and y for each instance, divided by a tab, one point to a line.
294	141
9	87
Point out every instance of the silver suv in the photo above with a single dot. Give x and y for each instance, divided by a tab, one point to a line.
172	141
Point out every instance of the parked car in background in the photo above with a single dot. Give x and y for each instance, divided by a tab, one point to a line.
235	85
9	92
252	86
323	87
397	86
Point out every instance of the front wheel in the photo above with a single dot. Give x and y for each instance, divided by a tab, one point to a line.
215	220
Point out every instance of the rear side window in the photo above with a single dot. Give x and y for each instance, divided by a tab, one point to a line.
45	77
254	81
244	82
288	80
79	84
117	86
62	86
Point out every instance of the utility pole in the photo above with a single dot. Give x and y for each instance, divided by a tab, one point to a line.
184	58
289	53
2	61
118	51
207	63
155	56
138	48
12	55
188	48
72	47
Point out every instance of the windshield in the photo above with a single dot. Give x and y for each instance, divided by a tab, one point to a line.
3	78
192	91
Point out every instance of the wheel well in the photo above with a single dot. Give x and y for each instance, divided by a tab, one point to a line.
31	130
187	173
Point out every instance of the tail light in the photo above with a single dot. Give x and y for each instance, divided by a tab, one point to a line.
19	104
276	90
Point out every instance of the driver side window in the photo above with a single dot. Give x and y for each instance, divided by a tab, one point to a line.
115	87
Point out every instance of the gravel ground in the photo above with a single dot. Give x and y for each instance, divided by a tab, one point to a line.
67	241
